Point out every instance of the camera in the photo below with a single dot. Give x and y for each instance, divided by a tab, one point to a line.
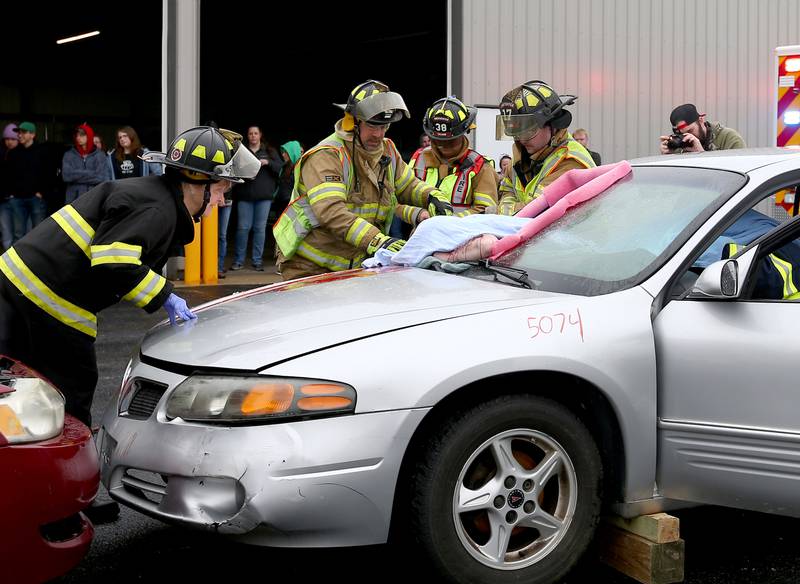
675	141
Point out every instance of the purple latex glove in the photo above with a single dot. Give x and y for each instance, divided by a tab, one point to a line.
176	308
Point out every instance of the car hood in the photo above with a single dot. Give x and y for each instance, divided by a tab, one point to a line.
261	327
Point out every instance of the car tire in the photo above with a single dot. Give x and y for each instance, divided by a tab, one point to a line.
541	504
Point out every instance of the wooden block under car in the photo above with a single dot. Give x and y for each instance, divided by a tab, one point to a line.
639	558
658	527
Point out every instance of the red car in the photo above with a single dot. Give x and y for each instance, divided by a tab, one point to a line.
49	473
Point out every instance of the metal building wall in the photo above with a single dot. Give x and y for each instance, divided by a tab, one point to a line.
629	61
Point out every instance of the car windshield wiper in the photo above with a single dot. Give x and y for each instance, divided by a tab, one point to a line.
517	275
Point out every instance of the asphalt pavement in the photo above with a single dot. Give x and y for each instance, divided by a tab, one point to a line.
723	546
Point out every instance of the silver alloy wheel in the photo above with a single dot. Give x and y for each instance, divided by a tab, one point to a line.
514	499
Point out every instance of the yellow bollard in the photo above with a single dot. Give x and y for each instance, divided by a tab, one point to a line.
209	244
191	268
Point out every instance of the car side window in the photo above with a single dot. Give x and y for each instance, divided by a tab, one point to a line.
771	211
763	217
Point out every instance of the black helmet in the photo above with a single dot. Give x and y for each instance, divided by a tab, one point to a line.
372	102
204	154
449	118
532	106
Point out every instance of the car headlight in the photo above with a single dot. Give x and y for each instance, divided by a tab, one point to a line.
30	410
258	399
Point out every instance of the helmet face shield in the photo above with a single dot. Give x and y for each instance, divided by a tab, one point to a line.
520	127
243	164
383	107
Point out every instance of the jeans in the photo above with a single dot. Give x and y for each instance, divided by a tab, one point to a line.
252	216
224	215
6	225
24	209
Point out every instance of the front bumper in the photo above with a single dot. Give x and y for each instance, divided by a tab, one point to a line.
44	487
319	483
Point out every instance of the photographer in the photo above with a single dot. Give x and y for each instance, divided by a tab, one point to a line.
692	133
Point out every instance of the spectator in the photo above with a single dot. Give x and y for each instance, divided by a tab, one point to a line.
253	200
124	158
223	218
98	143
27	182
291	153
10	141
424	141
83	165
692	133
505	164
582	137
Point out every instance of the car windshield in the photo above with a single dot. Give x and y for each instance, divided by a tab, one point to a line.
618	239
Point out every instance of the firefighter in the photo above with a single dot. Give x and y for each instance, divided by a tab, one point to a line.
533	115
449	164
110	244
346	191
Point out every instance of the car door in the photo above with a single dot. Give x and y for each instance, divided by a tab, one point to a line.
729	396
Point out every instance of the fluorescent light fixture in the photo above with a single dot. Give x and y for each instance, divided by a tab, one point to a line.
79	37
791	117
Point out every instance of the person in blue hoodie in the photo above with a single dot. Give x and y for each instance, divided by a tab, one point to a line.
83	165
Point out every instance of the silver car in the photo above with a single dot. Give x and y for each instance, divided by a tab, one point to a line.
617	359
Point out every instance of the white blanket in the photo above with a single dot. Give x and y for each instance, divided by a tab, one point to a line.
445	234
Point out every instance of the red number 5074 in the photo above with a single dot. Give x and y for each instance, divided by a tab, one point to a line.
555	323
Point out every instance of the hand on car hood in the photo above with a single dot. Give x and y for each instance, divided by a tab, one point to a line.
262	327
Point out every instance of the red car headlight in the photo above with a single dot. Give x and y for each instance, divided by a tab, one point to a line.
30	408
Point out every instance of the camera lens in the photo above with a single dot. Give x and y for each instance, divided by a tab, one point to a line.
675	141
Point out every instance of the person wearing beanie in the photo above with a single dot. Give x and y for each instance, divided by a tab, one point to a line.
692	133
10	141
11	132
83	165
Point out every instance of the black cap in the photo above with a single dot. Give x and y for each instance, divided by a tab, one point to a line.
683	114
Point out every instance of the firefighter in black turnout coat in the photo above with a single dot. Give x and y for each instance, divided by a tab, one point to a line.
109	245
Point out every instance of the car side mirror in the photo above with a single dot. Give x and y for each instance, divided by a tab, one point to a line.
723	280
